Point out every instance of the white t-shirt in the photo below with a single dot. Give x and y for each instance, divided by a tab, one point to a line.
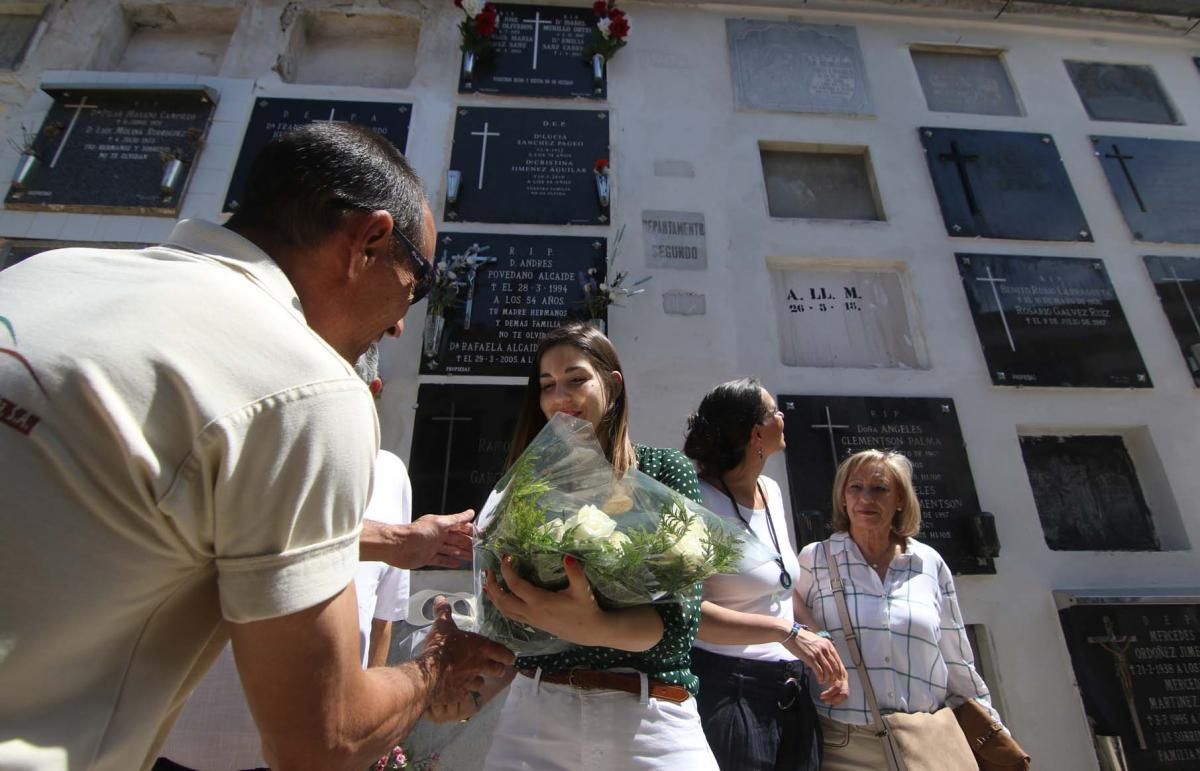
188	448
215	731
757	591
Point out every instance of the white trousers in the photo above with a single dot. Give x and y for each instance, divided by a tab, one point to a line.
551	727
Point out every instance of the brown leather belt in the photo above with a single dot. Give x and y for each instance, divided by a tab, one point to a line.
600	680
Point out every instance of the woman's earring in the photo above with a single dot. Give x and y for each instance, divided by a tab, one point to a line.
760	453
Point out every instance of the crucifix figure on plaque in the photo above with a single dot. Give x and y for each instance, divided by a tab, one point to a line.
960	162
992	281
1120	158
483	149
1118	646
537	23
451	419
829	425
79	108
474	261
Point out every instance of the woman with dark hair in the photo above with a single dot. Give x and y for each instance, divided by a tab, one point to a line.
623	697
754	638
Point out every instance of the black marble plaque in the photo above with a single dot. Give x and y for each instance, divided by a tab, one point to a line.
1002	184
538	51
1050	321
523	287
273	116
1137	663
17	250
1177	281
1087	494
461	437
1155	184
1121	92
822	431
105	149
528	166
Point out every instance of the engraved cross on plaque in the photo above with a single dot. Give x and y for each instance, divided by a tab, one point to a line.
537	23
1119	646
79	108
960	162
992	281
1120	158
451	419
829	425
483	149
332	111
1183	294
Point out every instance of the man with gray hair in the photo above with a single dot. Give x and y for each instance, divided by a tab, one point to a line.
191	463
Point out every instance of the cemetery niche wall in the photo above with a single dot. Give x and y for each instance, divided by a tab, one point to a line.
113	150
1050	321
822	431
1155	184
274	116
965	80
1002	184
1177	281
507	291
827	184
1121	92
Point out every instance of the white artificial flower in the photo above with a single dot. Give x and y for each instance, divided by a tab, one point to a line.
691	547
472	7
604	287
553	528
451	275
602	25
442	265
589	524
618	540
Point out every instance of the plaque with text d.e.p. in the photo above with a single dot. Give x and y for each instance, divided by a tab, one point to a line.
18	250
461	436
273	116
536	167
822	431
113	150
1050	321
1177	281
538	50
505	298
1002	184
1137	663
1155	184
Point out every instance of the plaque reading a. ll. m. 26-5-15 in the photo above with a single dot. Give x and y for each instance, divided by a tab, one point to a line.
507	292
273	116
530	166
822	431
537	50
1155	184
1177	281
113	150
1050	321
1002	184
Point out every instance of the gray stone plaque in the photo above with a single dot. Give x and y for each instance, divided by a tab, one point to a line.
674	239
797	67
808	185
973	82
1121	92
674	168
844	318
679	303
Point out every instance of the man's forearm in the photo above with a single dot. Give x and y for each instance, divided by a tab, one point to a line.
379	543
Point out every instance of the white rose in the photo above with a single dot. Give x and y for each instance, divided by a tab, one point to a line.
553	528
603	25
472	7
691	547
617	541
589	524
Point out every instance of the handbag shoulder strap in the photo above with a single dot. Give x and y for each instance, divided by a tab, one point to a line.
839	595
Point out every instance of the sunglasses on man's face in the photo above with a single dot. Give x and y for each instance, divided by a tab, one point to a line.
422	268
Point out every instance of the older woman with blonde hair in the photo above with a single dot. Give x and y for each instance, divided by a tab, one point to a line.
902	607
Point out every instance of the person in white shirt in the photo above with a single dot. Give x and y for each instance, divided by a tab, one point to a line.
753	640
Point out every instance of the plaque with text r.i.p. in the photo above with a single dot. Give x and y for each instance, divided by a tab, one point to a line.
1137	663
538	50
273	116
529	166
822	431
521	288
1177	281
109	150
1050	321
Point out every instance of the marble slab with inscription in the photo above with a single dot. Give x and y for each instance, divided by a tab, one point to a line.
528	166
1002	184
822	431
674	239
1137	663
538	50
1155	184
1050	321
973	82
273	116
1177	281
104	149
844	318
790	67
1121	92
819	185
534	284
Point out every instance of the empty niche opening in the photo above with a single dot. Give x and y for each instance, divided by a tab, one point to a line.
1128	93
846	313
181	37
19	24
338	48
819	181
1101	489
965	79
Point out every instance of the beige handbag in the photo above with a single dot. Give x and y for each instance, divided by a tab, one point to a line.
911	741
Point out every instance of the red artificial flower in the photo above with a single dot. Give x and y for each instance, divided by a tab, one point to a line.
599	7
616	13
602	165
458	3
619	27
485	21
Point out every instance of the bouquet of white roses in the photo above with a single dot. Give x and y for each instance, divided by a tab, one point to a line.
638	541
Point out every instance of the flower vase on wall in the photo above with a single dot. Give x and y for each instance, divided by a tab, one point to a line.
435	326
597	70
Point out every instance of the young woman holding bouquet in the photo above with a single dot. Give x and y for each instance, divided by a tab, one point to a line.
754	697
623	696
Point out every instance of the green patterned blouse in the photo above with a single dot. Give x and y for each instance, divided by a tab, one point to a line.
670	659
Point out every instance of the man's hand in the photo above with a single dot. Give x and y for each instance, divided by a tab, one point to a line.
459	661
434	540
